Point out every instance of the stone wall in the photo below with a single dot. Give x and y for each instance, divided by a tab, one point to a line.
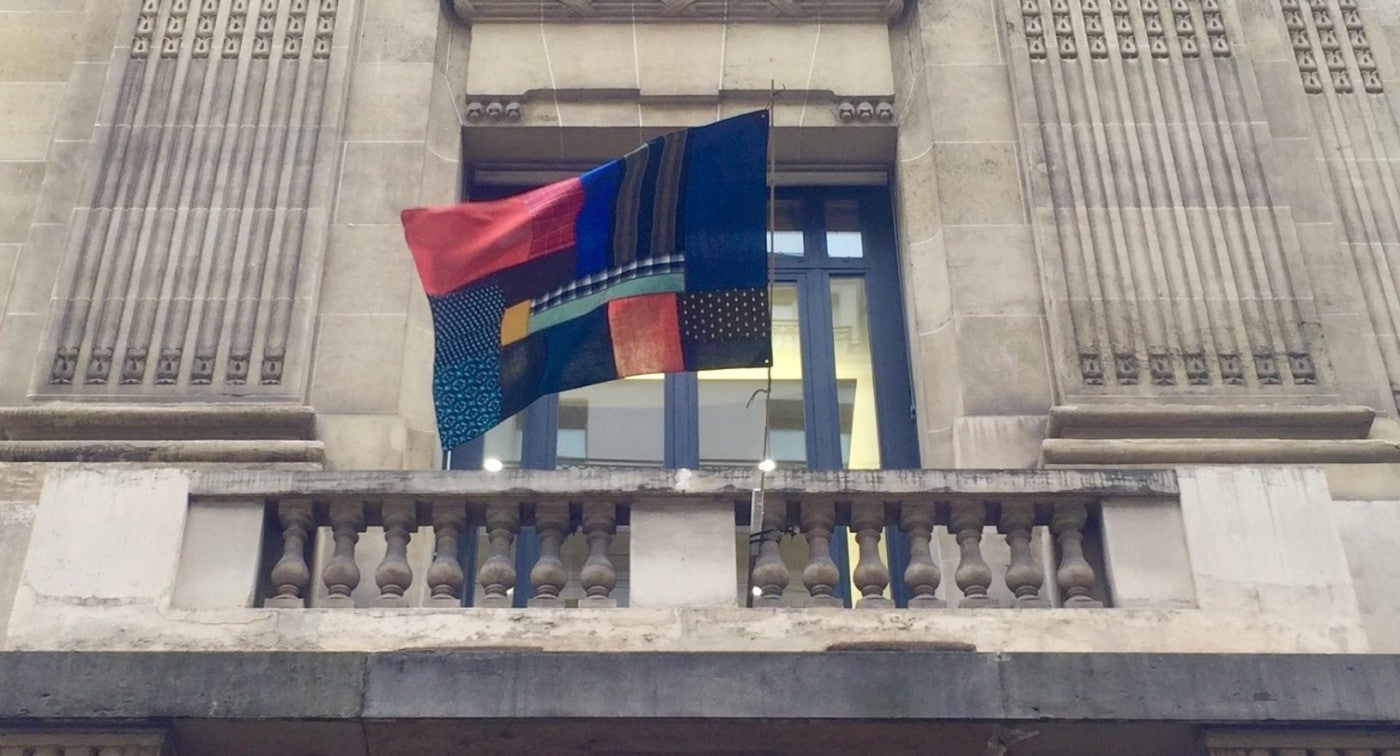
1136	204
55	58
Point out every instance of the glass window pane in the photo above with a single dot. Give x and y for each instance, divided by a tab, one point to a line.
731	401
843	229
502	443
787	228
615	423
855	386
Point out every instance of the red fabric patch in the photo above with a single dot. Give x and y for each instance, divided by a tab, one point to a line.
646	335
454	245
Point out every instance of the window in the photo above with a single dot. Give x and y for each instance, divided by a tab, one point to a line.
841	395
836	316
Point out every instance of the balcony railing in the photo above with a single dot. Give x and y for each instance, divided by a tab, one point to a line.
1041	524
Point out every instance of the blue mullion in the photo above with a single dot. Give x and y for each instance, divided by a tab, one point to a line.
894	404
821	406
539	450
682	420
539	444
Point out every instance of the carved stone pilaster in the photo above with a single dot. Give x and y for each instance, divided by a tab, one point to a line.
184	280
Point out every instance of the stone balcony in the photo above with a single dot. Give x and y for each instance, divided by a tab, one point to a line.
1199	560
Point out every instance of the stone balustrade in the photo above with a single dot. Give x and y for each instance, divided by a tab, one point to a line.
292	576
1034	536
1013	538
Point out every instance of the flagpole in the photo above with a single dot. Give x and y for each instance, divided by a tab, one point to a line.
772	249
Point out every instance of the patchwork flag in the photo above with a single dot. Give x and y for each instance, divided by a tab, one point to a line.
652	263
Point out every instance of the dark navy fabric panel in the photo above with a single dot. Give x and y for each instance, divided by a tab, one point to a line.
727	354
593	229
578	352
647	206
723	207
521	369
538	276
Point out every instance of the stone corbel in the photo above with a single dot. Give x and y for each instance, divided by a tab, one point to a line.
864	110
493	110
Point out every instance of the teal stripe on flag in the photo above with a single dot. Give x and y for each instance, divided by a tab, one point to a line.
658	284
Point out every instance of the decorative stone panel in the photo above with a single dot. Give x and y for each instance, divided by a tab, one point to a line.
1358	130
1169	267
190	271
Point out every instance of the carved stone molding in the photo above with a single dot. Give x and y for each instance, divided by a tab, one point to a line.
1170	266
185	272
540	107
475	11
1358	128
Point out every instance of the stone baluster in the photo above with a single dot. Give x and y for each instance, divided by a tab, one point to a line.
871	576
1075	575
598	575
394	575
445	576
497	575
1025	575
922	576
818	519
549	576
770	573
973	576
291	575
342	575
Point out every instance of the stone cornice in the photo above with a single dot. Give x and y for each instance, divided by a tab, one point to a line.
475	11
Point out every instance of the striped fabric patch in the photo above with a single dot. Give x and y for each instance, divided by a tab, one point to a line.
600	281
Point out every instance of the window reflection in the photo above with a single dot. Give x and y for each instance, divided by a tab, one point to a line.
850	325
843	229
503	442
731	401
616	423
787	228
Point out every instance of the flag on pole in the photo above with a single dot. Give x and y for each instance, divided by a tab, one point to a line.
653	263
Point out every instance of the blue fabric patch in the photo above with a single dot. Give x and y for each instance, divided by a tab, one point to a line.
467	322
593	230
467	361
723	203
467	397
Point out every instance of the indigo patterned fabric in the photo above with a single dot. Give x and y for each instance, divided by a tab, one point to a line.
652	263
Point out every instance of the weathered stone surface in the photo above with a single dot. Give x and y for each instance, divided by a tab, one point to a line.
880	685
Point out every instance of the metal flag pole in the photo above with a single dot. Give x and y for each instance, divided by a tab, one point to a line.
757	533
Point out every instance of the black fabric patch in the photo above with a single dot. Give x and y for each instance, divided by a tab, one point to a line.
709	317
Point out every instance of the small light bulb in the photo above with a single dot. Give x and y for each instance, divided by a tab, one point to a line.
491	464
767	465
757	592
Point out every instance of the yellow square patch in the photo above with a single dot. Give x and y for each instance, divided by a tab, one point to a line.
516	323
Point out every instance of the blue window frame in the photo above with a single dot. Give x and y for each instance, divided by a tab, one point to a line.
831	240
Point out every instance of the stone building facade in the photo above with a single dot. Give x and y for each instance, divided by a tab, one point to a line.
1088	434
